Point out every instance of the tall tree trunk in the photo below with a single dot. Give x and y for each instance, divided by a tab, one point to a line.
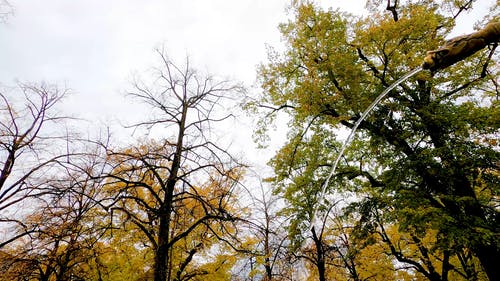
320	256
161	255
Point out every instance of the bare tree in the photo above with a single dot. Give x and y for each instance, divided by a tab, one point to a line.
66	243
29	147
157	179
267	227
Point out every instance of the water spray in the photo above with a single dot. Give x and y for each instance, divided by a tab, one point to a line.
350	138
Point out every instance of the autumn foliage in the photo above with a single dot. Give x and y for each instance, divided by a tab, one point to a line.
415	196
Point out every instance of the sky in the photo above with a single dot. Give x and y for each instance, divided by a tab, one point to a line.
95	47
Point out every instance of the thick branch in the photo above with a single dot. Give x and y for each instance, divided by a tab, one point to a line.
392	8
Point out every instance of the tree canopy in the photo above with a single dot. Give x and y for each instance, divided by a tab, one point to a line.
415	195
425	162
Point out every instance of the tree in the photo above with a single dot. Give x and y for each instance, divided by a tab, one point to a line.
30	146
154	183
421	153
200	218
299	181
67	224
126	256
265	256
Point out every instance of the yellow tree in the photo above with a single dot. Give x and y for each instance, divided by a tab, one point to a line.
67	222
153	181
202	220
205	254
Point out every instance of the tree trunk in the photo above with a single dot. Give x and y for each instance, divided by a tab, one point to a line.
267	259
320	256
488	256
161	255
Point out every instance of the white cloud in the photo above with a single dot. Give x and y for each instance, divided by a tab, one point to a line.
94	46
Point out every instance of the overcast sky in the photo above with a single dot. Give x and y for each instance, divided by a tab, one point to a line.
93	47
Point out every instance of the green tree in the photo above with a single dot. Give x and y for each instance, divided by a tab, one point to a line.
421	156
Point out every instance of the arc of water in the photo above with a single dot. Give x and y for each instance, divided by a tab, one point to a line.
349	139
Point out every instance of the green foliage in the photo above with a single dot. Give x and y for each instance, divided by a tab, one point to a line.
421	155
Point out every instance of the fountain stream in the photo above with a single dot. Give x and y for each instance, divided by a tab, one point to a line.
349	139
